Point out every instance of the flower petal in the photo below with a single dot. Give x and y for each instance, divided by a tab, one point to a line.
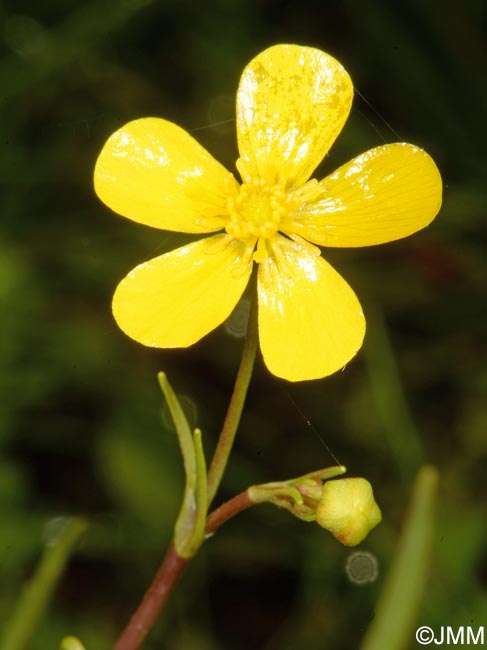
175	299
310	321
386	193
292	102
154	172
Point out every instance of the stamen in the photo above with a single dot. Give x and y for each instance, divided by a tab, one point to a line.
297	216
242	262
261	253
257	209
310	249
279	256
230	185
210	219
243	169
310	191
219	244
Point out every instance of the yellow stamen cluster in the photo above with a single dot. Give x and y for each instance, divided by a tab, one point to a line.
255	209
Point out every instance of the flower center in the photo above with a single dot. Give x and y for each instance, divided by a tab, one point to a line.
255	209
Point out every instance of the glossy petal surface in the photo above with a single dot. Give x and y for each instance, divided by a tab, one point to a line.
310	321
386	193
292	102
175	299
154	172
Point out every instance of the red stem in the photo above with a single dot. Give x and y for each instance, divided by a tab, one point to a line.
227	510
166	578
154	599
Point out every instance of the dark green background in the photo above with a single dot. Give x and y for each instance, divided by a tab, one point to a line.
80	411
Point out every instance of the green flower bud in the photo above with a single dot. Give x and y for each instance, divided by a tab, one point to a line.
71	643
347	509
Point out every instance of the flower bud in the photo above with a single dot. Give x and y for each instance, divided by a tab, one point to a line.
71	643
347	509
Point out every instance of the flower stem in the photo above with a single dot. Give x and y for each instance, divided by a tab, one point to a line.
169	573
155	598
173	564
232	419
228	510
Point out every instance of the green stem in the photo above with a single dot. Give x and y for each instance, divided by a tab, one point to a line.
232	419
39	590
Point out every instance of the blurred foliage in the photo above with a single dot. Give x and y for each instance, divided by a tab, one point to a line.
82	426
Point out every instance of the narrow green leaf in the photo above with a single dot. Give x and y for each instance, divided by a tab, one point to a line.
189	531
190	525
182	428
401	595
37	594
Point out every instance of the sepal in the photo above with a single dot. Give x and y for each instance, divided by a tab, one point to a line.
300	496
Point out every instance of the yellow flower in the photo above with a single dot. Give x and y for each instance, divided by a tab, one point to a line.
347	509
292	102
